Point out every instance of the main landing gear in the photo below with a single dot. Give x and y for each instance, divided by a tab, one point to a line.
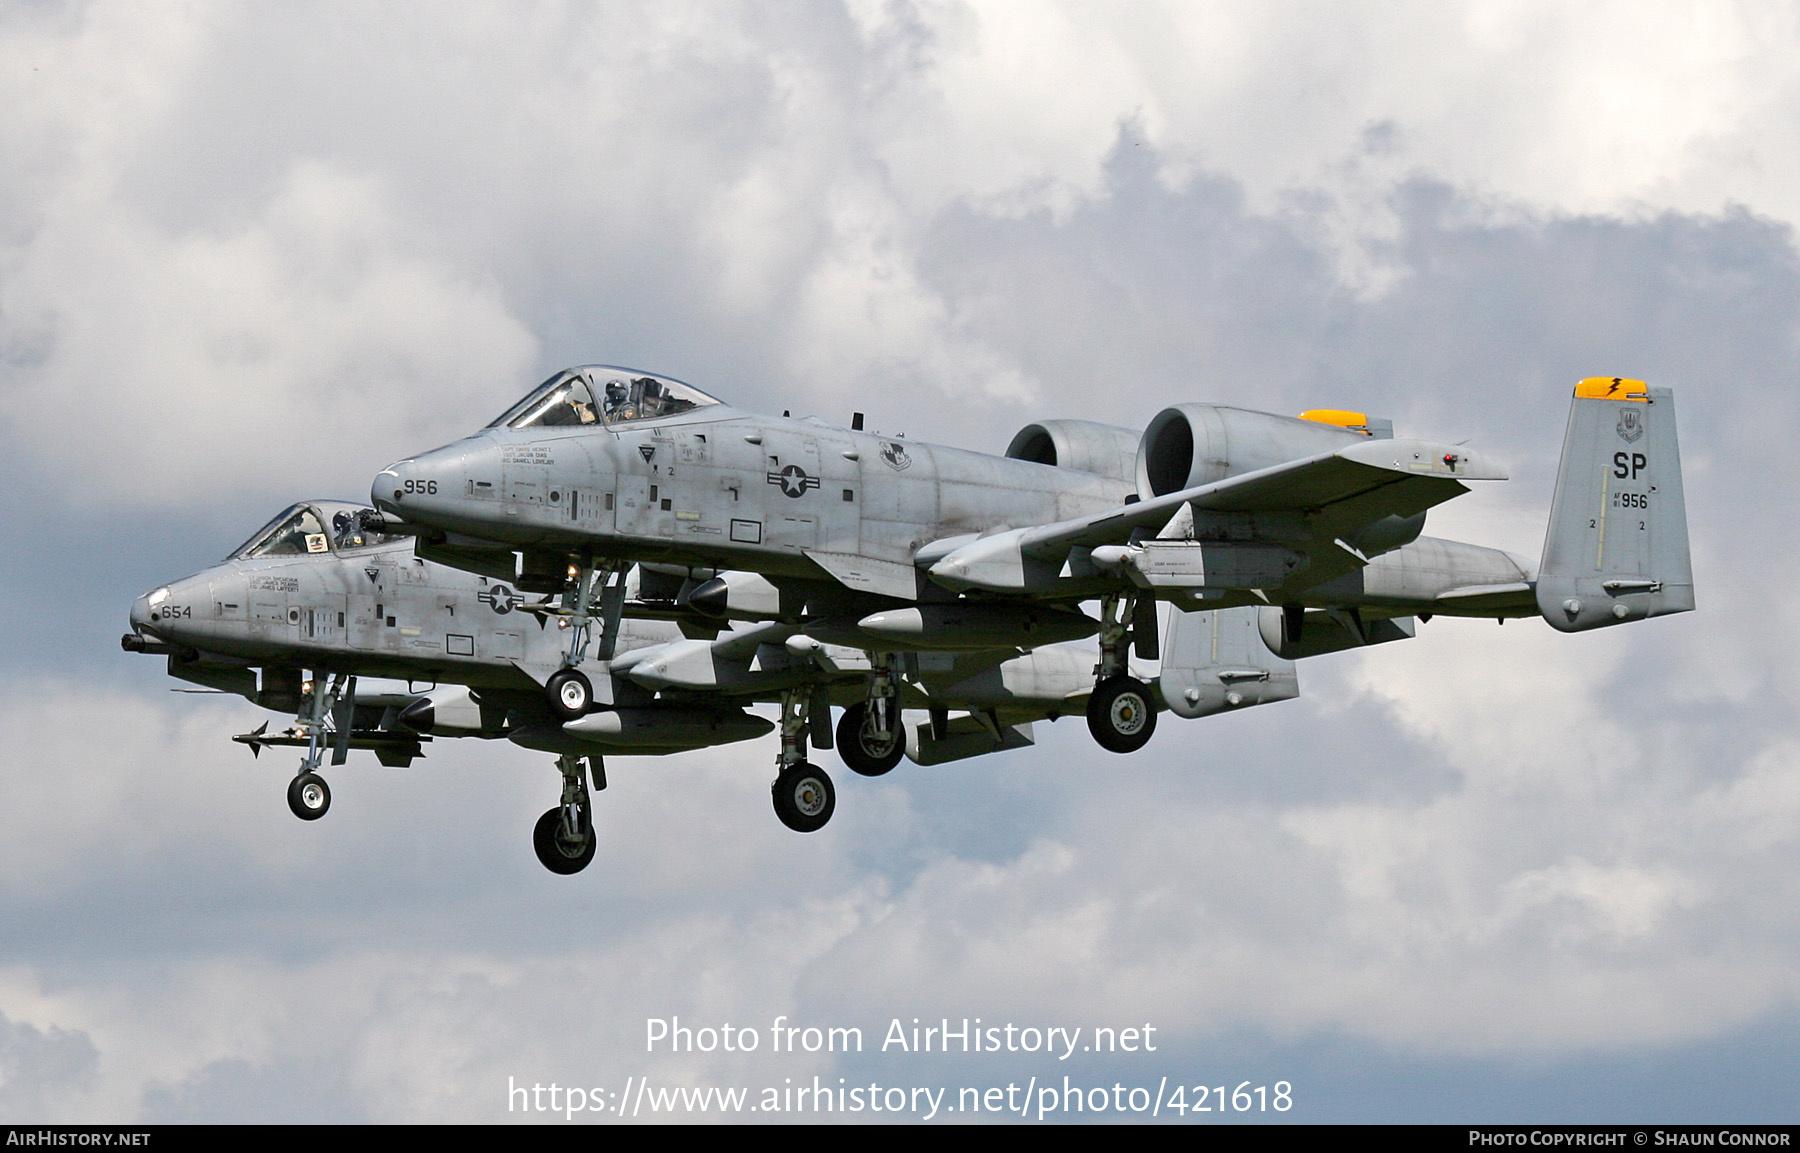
803	794
869	736
564	836
331	696
1121	711
804	797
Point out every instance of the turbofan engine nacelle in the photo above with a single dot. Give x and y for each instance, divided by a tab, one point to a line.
1194	444
1081	445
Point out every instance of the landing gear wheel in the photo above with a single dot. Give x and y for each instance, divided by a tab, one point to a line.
1121	714
804	798
558	853
865	751
309	796
571	695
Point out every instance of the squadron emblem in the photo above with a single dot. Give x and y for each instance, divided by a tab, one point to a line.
1631	423
895	456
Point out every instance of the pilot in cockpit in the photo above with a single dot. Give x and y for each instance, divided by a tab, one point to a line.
608	395
618	402
346	530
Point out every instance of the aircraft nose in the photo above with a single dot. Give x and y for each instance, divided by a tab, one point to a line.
169	611
432	480
140	608
392	484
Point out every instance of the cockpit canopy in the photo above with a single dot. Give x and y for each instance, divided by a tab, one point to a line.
602	394
314	527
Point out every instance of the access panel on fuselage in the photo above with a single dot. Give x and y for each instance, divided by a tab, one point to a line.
791	491
898	503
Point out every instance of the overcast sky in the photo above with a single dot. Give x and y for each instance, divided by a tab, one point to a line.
254	253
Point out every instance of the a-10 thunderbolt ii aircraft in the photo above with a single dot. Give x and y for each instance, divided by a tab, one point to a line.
1303	532
373	647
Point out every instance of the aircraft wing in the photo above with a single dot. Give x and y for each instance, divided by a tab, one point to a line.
1332	494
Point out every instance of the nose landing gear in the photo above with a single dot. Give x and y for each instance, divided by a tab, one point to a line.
571	694
309	796
593	592
330	696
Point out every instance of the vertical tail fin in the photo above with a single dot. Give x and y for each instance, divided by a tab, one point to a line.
1616	548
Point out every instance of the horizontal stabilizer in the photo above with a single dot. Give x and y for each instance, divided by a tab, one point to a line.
1513	599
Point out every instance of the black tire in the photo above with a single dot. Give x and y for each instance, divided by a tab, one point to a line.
804	797
871	759
1121	714
570	694
554	851
309	796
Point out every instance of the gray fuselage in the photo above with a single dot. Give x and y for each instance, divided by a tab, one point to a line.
723	489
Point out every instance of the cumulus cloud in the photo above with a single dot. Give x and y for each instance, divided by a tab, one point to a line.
293	343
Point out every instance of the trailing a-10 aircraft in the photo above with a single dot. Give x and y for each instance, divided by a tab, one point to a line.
372	647
1294	536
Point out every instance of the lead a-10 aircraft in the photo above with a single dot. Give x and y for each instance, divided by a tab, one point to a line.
1305	531
313	608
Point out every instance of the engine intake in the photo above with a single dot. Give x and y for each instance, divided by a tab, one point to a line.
1081	445
1194	444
